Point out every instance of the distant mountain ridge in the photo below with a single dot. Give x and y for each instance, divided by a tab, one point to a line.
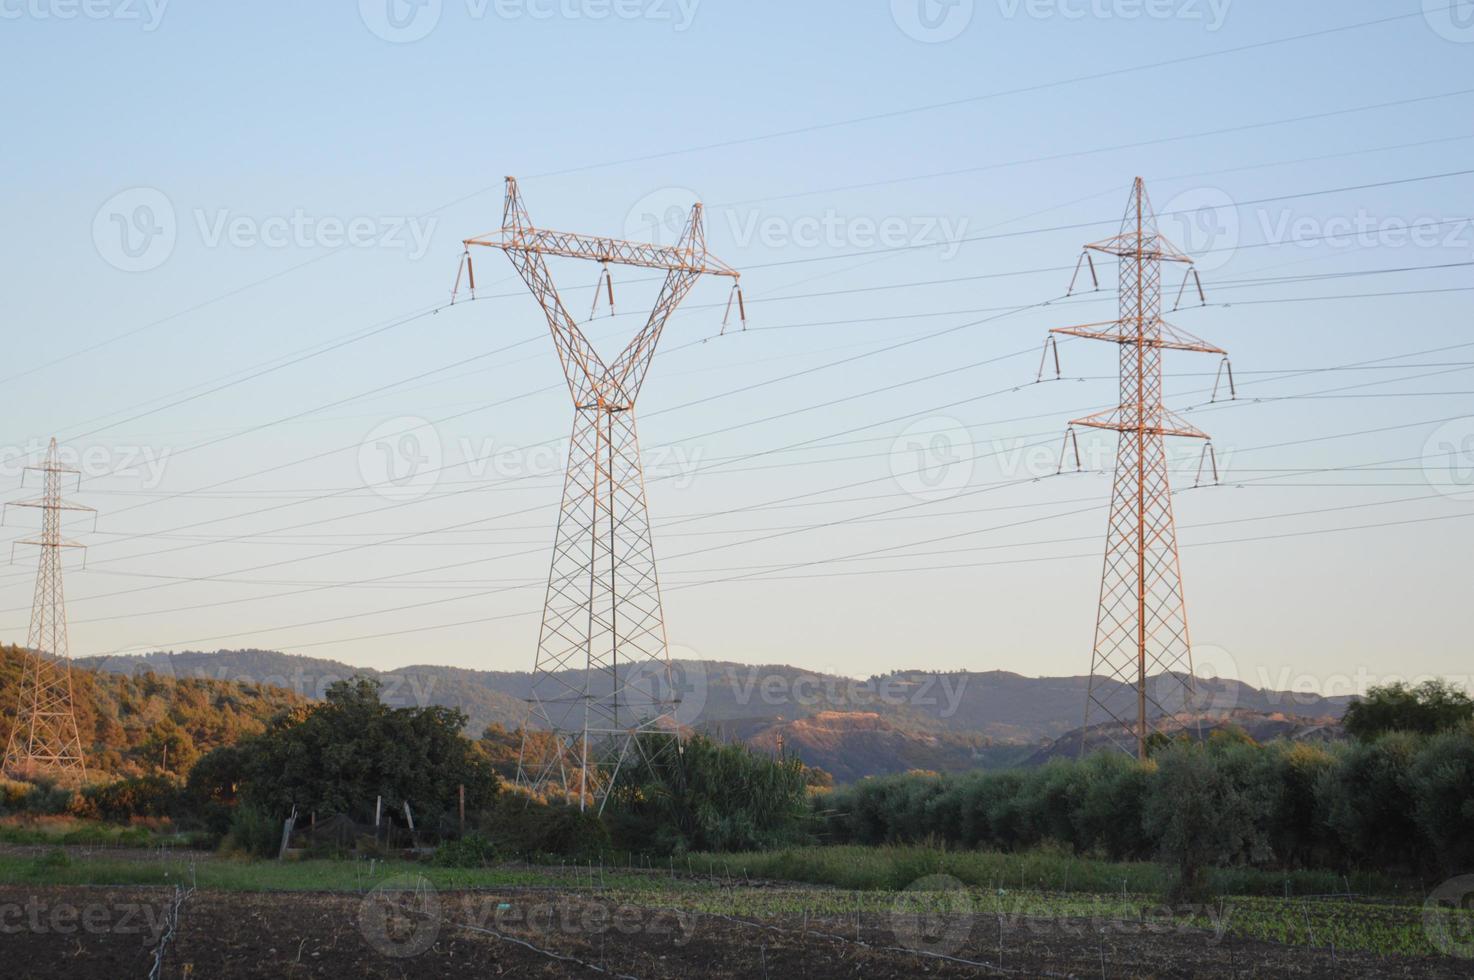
851	727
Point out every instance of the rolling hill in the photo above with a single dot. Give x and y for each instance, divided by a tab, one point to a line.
847	726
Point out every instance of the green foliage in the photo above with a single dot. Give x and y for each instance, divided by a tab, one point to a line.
707	796
213	788
253	832
1442	782
1399	804
140	725
39	798
1429	708
53	860
339	757
125	799
522	826
471	851
1201	812
1368	802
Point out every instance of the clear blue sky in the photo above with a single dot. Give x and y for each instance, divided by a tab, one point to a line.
178	180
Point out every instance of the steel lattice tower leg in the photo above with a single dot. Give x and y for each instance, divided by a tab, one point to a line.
45	740
1141	664
602	682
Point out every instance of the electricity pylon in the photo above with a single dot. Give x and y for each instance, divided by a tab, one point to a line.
602	677
45	740
1141	628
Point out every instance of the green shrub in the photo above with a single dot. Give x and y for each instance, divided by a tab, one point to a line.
516	824
1443	784
1200	815
707	796
126	799
471	851
253	832
1400	803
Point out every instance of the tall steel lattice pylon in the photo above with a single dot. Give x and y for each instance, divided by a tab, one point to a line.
1141	632
602	678
45	740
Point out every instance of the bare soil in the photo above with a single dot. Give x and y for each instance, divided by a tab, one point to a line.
401	932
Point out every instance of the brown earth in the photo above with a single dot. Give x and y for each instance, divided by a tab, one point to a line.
92	932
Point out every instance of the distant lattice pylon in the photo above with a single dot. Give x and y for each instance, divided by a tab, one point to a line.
602	680
1141	668
45	740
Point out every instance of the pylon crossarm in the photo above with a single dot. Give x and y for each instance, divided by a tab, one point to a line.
1168	338
570	245
1155	249
1184	432
41	503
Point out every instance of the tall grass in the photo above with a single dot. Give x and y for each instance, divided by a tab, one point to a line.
894	867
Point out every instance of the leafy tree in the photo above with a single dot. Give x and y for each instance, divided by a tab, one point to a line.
709	797
338	757
1109	814
126	722
1199	815
1431	707
1368	801
168	747
1443	785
